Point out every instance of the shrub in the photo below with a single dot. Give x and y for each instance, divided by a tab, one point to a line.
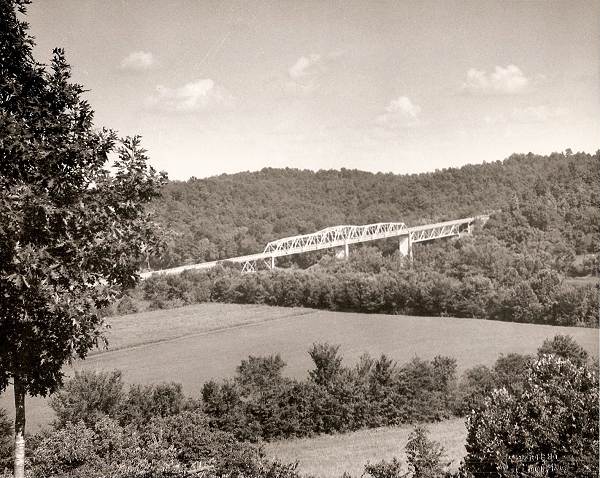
6	443
142	403
88	396
424	456
328	363
194	442
475	384
510	371
259	403
127	305
552	425
258	373
384	469
180	445
566	347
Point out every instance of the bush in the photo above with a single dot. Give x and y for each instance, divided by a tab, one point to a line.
260	404
6	440
475	385
258	373
564	346
142	403
179	445
552	425
384	469
88	396
424	456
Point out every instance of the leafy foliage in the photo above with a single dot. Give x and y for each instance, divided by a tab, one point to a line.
5	440
550	427
462	289
423	456
260	404
72	231
229	215
91	395
564	346
88	396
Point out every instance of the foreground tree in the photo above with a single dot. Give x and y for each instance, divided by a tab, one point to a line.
550	428
73	228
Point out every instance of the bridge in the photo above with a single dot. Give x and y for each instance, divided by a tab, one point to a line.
339	237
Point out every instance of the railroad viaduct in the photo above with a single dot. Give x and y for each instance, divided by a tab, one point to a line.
339	237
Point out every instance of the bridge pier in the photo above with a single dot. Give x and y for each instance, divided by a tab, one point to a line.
343	253
272	262
405	246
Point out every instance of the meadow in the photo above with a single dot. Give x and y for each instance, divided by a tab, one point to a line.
194	344
329	456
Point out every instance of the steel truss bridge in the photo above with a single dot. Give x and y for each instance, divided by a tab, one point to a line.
339	237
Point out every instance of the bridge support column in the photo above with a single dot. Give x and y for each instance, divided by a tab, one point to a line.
405	246
272	262
343	253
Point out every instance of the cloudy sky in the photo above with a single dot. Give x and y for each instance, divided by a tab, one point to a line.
401	86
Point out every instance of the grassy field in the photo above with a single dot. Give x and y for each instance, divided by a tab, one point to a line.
329	456
194	344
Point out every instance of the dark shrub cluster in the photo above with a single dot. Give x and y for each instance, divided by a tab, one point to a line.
6	443
545	298
180	445
103	430
91	395
259	403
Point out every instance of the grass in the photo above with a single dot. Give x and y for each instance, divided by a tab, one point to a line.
330	456
194	344
582	281
160	325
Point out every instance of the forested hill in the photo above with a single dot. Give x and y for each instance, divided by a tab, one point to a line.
236	214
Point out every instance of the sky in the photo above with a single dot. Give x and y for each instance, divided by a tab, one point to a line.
402	86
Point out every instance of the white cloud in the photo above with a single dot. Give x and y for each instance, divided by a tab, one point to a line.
196	95
304	66
304	74
401	112
503	81
138	61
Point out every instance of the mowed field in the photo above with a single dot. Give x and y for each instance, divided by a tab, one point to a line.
194	344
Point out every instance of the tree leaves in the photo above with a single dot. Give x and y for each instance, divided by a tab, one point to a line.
72	233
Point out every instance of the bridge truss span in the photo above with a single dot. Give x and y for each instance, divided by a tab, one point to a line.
331	237
440	230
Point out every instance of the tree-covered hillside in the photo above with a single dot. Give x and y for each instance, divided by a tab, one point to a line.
231	215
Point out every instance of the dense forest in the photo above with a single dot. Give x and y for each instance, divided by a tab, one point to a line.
230	215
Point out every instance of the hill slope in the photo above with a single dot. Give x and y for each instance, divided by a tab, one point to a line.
230	215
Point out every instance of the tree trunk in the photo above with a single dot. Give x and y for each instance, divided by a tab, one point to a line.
19	471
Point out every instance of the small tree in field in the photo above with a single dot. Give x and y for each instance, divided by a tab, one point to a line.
424	456
72	225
